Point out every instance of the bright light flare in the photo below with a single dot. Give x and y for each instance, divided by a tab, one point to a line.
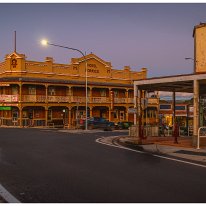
44	42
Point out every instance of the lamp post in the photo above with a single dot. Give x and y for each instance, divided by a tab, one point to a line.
45	42
194	62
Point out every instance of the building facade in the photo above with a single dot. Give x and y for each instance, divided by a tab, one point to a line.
183	115
49	94
187	83
199	35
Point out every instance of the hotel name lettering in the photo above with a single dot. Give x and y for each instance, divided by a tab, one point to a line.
90	68
93	68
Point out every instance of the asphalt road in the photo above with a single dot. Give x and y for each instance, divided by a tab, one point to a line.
41	166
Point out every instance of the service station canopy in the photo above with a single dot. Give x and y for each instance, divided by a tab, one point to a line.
178	83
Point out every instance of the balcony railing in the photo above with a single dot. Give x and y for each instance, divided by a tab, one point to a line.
148	101
9	98
58	98
78	99
72	99
33	98
120	100
153	100
100	100
131	100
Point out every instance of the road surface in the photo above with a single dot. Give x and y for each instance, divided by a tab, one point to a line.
48	166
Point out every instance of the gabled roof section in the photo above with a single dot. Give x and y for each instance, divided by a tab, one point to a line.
91	56
16	55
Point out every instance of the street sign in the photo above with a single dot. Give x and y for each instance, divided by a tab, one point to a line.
132	110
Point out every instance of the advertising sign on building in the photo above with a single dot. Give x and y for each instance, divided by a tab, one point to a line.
8	98
5	108
132	110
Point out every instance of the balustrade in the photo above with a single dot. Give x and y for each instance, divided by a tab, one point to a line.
100	100
80	99
130	100
153	100
58	98
120	100
8	98
33	98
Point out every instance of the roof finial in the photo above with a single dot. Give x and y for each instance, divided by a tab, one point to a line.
14	41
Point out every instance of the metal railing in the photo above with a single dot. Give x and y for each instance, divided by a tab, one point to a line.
201	134
120	100
80	99
130	100
33	98
58	98
9	122
100	100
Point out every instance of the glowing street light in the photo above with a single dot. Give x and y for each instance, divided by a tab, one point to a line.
44	42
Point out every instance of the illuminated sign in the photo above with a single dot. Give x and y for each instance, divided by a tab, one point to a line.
4	85
5	108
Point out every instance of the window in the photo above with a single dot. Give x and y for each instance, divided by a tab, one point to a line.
180	107
116	114
14	90
32	90
49	114
103	92
51	91
165	106
115	93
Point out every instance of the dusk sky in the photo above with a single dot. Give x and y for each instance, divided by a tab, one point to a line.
157	36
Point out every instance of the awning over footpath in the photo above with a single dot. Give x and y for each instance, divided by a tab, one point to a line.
177	83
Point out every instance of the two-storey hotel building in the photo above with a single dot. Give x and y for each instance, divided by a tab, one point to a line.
45	93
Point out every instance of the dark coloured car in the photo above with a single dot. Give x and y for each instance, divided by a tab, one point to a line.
124	125
97	123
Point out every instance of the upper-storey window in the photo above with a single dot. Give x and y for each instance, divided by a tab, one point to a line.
51	91
103	92
115	93
180	107
14	89
165	106
32	90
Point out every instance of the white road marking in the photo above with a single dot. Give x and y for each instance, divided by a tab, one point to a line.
159	156
118	146
177	160
8	196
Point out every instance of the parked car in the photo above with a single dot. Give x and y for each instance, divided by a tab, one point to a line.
124	125
112	125
97	123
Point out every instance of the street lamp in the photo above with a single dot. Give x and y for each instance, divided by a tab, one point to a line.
194	61
45	42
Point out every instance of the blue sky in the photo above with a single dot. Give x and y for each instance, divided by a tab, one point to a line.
157	36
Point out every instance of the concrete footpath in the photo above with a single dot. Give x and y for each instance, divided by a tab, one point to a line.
166	146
